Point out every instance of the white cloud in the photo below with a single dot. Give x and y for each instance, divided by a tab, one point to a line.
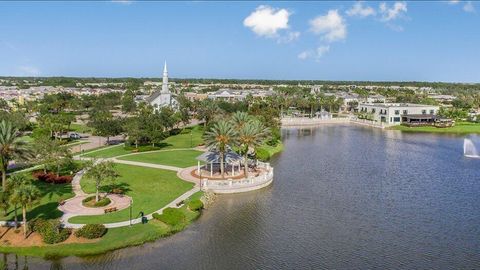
358	10
453	2
316	54
266	21
398	10
469	7
29	71
331	26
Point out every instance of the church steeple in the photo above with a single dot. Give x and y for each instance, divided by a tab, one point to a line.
165	79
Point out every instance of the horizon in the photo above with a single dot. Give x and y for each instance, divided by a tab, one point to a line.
289	41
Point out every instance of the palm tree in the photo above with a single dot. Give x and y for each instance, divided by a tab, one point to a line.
11	147
251	135
26	195
206	111
220	137
239	119
16	181
99	172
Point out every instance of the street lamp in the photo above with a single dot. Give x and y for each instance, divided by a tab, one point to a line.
131	202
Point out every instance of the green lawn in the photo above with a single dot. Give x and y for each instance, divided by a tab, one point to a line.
177	158
80	128
47	206
114	239
188	138
459	128
151	189
108	152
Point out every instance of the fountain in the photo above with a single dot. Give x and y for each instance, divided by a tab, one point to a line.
469	149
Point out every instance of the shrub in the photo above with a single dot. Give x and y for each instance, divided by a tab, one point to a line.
117	191
171	216
50	177
90	202
91	231
51	230
263	154
195	205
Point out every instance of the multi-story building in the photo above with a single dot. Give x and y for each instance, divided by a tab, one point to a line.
392	113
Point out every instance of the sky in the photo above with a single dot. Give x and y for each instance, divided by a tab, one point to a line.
376	41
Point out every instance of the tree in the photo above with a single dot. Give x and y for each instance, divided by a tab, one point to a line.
221	136
251	135
106	126
15	182
206	111
100	172
128	101
239	119
26	195
11	148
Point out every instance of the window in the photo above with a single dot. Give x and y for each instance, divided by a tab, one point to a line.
397	112
396	119
432	111
405	112
373	110
424	111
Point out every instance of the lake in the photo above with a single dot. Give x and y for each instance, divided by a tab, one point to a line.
343	197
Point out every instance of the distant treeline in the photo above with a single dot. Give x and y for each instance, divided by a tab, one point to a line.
72	81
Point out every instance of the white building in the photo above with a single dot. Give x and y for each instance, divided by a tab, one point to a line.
392	113
164	97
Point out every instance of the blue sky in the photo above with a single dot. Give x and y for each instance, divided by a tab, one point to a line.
422	41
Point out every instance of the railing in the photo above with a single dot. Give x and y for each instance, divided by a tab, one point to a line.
241	183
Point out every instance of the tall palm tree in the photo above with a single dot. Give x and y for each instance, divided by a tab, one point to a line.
239	119
14	182
251	135
221	136
26	195
11	147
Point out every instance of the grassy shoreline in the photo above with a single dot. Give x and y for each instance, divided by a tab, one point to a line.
116	238
459	128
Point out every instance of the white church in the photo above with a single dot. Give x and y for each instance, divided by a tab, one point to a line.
164	97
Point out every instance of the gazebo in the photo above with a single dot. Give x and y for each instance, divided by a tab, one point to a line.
230	158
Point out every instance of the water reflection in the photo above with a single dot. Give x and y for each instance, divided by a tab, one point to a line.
343	197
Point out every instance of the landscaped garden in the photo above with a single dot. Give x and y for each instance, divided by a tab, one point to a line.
150	189
459	128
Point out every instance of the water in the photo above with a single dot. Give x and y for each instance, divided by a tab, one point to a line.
344	197
469	149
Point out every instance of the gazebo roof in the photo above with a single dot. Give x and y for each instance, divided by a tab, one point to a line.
214	157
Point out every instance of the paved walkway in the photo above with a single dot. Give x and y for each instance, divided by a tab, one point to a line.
73	207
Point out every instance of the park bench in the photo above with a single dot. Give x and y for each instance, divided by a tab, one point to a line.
111	209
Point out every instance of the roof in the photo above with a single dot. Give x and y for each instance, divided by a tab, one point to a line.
214	157
424	116
154	96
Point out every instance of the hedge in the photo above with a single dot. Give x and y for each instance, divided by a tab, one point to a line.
91	231
195	205
102	202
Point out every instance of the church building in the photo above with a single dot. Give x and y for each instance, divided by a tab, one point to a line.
164	97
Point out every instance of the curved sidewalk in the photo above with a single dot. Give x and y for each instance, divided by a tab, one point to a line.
79	194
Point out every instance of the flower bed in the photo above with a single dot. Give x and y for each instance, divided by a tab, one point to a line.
90	202
50	177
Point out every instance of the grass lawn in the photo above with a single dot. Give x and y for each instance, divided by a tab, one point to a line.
459	128
80	128
181	140
178	158
151	189
190	137
109	151
47	206
114	239
272	150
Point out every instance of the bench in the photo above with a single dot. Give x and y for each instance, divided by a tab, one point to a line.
109	210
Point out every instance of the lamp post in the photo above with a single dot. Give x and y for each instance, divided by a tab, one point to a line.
191	142
131	202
